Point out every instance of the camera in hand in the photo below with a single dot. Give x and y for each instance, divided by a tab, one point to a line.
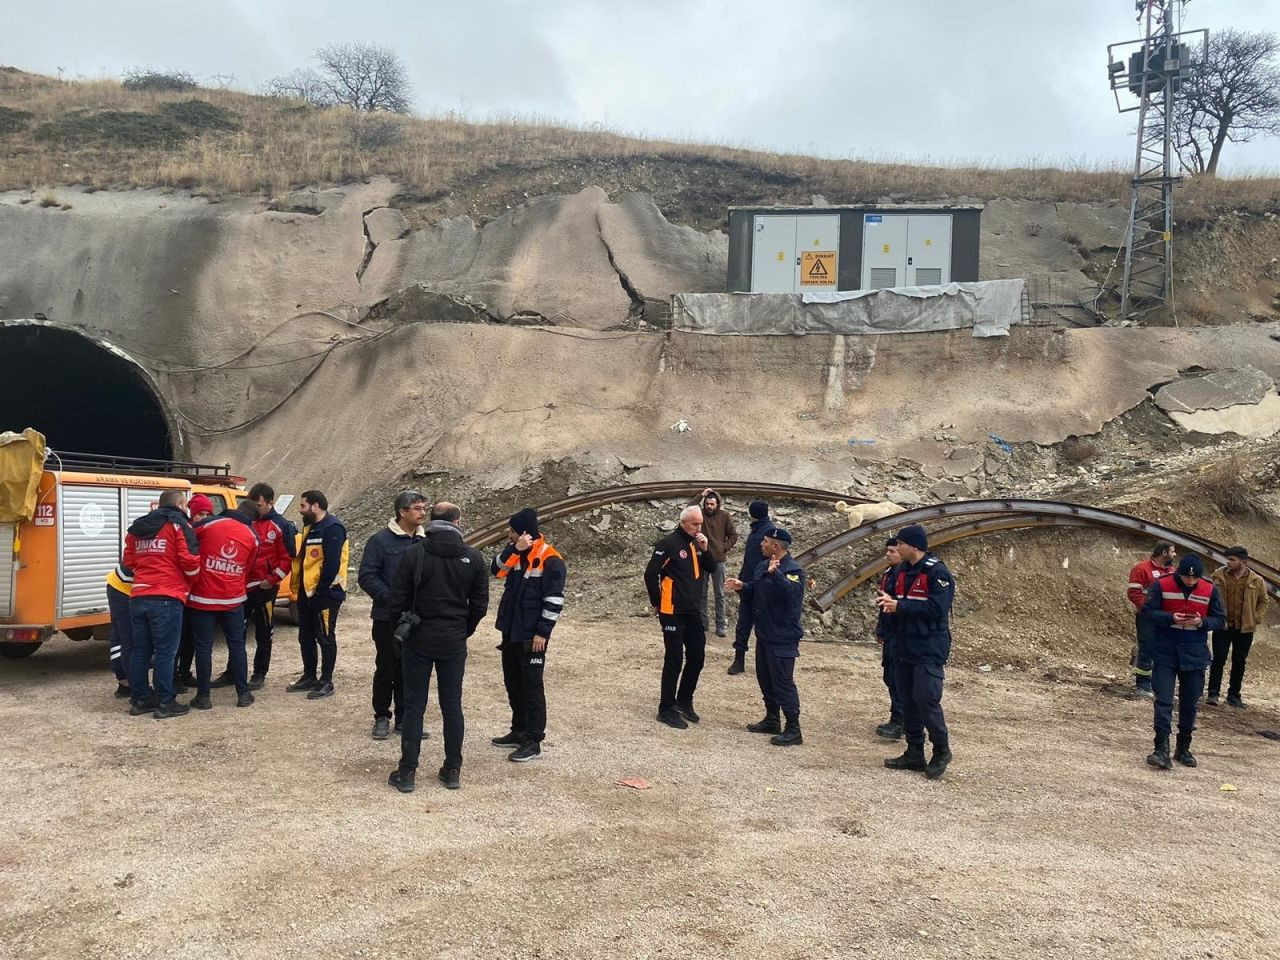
404	626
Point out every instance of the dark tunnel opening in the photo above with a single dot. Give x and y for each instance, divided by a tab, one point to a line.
80	395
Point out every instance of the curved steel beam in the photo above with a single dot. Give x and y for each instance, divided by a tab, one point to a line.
494	532
1093	516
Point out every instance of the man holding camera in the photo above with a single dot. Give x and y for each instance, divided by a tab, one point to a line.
438	597
533	575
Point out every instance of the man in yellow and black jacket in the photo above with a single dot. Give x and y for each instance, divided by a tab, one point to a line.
673	579
320	584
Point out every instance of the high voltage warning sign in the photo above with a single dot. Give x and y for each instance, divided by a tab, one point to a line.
818	268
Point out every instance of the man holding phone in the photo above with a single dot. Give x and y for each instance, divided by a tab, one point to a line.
1183	608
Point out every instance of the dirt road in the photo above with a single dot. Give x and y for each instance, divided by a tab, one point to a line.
271	832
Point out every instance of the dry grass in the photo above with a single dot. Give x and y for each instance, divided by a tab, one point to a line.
280	145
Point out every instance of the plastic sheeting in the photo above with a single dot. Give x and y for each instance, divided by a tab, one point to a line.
21	463
990	307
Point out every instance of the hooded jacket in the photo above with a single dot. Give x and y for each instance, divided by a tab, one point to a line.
161	550
228	549
378	566
445	582
532	591
722	535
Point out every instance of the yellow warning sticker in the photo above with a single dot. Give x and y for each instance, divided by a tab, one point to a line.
781	256
886	248
818	268
928	241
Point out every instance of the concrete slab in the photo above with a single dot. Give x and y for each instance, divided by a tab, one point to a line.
1216	390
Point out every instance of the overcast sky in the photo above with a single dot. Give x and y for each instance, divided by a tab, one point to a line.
999	81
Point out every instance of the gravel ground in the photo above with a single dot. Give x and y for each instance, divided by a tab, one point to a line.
271	832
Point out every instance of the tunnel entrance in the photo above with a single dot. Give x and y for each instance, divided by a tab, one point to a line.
82	394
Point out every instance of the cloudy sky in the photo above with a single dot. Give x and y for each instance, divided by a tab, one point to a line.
998	81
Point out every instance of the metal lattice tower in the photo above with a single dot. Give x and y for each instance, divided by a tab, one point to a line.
1153	69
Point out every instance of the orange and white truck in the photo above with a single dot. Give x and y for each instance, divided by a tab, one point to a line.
54	563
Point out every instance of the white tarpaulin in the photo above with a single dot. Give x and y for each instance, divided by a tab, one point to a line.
990	307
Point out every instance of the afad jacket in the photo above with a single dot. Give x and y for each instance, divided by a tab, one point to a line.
673	574
777	600
228	549
277	545
532	591
162	551
920	629
320	568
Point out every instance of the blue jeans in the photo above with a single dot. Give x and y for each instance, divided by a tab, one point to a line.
231	622
157	628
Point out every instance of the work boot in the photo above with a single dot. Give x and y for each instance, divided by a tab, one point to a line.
687	711
449	777
526	752
381	728
403	780
770	724
201	701
912	759
891	730
244	699
673	718
737	666
399	729
257	681
1159	757
1235	702
320	691
1182	752
138	707
508	740
301	685
173	708
224	679
790	737
122	691
937	764
180	686
1211	700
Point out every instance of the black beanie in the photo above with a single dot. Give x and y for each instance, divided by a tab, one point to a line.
1190	565
914	536
525	521
759	510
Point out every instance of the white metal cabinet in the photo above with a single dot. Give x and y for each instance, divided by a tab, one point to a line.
928	249
89	541
795	253
884	250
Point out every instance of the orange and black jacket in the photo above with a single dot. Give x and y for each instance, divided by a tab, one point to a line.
673	574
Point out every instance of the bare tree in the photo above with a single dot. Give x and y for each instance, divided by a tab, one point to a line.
305	85
365	76
1234	96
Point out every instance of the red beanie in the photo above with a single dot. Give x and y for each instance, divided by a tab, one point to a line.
199	504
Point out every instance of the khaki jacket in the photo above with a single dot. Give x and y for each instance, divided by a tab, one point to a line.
1245	616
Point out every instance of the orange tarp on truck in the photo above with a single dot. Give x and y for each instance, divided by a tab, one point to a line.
21	463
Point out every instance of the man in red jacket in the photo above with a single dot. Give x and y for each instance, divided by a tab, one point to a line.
161	550
228	551
1141	576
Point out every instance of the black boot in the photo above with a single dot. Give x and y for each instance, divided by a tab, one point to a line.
790	737
937	765
1182	752
1159	757
201	701
737	666
891	730
770	724
403	780
912	759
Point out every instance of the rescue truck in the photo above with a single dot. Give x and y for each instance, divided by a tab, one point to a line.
53	567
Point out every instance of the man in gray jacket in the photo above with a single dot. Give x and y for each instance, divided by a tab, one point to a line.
377	569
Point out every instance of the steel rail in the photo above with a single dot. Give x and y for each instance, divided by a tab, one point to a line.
1093	516
961	531
655	489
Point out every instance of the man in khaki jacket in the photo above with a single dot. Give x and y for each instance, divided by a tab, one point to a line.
1244	595
722	537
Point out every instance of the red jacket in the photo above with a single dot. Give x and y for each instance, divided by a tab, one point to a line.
161	550
275	551
1141	576
228	549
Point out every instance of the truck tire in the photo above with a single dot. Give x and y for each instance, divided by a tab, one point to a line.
16	651
79	634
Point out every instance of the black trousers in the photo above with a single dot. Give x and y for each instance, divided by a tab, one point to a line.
920	687
776	676
418	667
1236	643
522	671
317	627
1190	685
685	640
388	676
259	609
887	672
186	646
742	631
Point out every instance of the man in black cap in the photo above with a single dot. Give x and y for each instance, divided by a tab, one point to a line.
1183	607
1244	597
533	575
776	596
892	729
760	522
918	607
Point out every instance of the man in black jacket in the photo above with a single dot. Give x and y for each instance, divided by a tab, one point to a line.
443	583
673	579
377	569
760	522
533	575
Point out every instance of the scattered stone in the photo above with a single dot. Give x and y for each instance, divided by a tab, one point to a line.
666	526
947	490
